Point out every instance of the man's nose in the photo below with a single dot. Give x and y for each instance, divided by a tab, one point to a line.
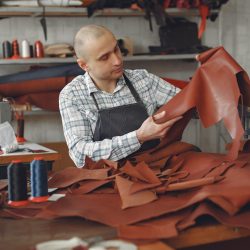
117	59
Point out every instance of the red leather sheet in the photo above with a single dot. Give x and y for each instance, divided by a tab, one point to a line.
215	93
38	100
36	91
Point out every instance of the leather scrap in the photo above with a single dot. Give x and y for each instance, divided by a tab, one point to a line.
132	200
88	186
239	220
71	175
141	172
159	228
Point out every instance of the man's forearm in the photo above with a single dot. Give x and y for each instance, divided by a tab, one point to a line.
115	149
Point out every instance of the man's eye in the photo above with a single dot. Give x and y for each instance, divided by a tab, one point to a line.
104	58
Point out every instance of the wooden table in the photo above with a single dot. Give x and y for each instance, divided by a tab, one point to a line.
25	156
26	233
48	155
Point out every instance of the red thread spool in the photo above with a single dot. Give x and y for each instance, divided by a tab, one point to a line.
15	50
39	52
20	129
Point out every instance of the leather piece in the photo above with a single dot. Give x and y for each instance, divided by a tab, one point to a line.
159	228
228	190
68	176
163	152
132	200
206	92
239	220
141	172
88	186
88	206
90	164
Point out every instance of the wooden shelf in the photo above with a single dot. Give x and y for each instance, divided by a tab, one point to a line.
82	12
53	60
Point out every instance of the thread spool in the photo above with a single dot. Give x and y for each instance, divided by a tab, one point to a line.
39	52
7	51
31	51
20	129
15	50
17	184
39	180
25	49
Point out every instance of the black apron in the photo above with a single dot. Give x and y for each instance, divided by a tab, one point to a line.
121	120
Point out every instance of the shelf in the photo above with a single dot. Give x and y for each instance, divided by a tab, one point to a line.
159	57
53	60
82	12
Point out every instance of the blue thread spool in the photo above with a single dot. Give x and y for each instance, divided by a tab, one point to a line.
39	180
17	187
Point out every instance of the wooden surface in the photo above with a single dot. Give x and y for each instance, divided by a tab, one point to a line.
64	161
25	234
48	155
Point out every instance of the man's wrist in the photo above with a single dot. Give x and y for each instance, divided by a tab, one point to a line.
139	136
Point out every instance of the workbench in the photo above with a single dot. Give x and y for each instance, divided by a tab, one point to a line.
26	233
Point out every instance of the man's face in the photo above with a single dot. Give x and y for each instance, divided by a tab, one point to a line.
104	59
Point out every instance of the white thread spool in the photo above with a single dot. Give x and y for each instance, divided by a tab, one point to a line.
25	49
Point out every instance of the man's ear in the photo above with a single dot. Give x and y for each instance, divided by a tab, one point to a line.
82	64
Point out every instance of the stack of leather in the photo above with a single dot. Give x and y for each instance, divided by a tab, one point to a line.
158	193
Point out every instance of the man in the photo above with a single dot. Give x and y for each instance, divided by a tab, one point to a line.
107	112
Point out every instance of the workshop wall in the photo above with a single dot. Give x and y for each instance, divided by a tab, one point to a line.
229	30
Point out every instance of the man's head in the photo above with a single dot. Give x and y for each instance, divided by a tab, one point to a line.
98	53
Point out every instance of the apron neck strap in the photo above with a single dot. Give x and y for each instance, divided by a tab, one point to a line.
131	88
93	96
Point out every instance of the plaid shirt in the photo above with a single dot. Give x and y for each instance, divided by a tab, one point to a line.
79	113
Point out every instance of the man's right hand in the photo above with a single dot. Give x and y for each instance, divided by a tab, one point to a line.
150	130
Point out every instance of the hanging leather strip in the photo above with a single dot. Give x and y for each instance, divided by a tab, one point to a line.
204	12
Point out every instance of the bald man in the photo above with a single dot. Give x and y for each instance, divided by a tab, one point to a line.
107	113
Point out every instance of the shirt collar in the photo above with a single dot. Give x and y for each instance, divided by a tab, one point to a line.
92	88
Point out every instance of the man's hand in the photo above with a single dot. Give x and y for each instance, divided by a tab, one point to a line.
150	130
